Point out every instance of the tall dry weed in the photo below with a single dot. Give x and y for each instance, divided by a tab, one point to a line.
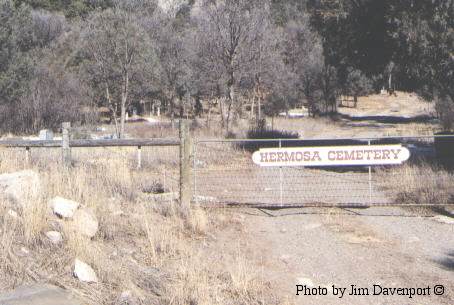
418	184
154	250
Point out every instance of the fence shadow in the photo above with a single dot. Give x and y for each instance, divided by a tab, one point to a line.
447	263
355	212
387	119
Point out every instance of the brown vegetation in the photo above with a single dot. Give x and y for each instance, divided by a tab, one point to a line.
419	185
145	249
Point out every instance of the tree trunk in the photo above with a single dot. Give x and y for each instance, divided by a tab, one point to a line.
208	116
259	110
114	111
390	82
181	107
122	117
221	111
227	121
231	86
251	114
124	103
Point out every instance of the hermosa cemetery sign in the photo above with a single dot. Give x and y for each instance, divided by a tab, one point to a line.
336	155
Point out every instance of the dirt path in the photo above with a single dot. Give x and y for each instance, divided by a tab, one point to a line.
390	247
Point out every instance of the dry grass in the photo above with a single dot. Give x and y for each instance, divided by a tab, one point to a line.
327	128
418	184
145	248
402	104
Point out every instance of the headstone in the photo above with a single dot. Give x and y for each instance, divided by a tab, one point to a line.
46	135
39	294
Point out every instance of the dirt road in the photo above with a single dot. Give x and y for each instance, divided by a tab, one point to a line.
390	247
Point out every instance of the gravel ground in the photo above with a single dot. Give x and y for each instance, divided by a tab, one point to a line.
391	247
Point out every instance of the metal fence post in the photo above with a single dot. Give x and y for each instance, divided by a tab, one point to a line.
139	157
185	164
27	155
281	190
194	167
164	179
370	180
66	150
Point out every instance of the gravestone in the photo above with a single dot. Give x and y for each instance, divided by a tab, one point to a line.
46	135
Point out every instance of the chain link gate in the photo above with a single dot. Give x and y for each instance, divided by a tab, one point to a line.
224	174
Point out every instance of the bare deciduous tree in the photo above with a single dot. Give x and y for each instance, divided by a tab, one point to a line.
267	71
120	54
54	96
304	56
174	57
226	30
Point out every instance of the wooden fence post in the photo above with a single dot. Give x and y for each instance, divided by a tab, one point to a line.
66	150
185	165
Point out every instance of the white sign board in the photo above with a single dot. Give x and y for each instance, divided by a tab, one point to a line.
329	156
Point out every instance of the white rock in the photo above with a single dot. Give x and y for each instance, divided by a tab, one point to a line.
25	251
305	281
63	207
285	258
205	199
20	187
125	296
413	239
312	226
86	223
13	214
444	219
84	272
54	236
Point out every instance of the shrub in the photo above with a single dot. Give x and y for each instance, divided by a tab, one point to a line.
267	139
52	97
266	133
444	148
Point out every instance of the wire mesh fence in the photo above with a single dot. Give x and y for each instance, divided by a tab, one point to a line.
224	173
